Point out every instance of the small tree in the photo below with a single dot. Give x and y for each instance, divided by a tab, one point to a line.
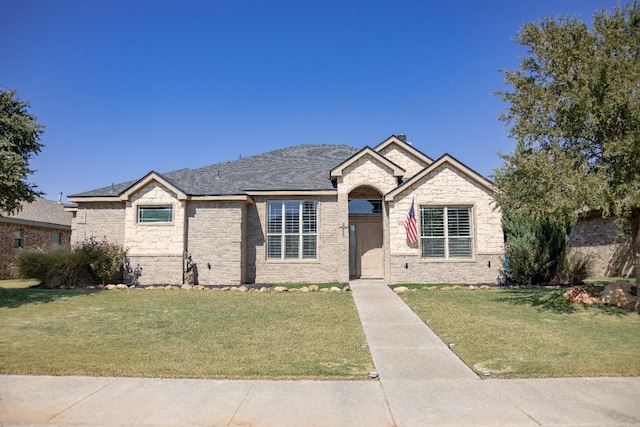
19	142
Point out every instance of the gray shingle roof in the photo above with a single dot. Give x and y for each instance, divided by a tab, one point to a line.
43	212
301	168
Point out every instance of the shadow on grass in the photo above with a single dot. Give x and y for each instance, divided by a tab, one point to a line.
543	299
14	298
553	300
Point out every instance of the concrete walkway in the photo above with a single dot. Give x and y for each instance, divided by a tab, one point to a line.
422	383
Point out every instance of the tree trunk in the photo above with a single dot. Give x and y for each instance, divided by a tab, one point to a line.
635	249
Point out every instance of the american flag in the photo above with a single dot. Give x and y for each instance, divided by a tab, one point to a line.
410	226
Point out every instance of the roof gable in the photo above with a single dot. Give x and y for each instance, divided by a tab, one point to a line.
405	147
41	212
447	160
367	152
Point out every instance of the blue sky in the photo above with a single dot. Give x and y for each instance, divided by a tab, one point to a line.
126	87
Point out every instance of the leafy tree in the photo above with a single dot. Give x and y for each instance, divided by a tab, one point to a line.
19	142
574	110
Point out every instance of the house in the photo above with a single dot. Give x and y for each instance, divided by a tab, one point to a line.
307	213
40	224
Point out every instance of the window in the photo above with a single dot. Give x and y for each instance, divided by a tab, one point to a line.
155	214
57	238
292	229
18	238
445	232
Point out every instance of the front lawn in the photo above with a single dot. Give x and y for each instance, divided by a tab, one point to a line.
523	333
181	334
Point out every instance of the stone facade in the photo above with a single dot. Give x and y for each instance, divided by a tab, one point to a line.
410	163
446	186
606	244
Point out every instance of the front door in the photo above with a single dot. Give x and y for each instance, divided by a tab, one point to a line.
366	256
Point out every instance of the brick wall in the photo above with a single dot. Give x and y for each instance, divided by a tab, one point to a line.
99	220
606	244
215	241
332	263
33	237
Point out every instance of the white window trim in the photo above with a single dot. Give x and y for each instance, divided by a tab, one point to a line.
301	234
146	206
446	233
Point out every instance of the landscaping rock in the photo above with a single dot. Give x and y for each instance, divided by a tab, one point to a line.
304	289
400	289
280	289
186	287
314	288
334	289
346	288
577	295
243	288
263	289
619	294
110	287
324	289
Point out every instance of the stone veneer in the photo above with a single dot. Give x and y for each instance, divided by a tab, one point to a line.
402	158
446	186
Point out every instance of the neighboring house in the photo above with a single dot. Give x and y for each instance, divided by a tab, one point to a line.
308	213
606	243
40	224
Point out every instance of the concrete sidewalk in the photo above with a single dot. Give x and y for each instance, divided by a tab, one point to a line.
422	383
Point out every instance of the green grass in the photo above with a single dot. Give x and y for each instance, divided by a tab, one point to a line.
529	333
181	334
18	283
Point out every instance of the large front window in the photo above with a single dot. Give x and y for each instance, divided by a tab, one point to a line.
292	229
446	232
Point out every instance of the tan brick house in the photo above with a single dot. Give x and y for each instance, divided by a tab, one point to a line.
307	213
41	224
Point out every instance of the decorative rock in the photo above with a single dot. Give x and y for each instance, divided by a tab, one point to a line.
346	288
280	289
485	287
619	294
263	289
400	289
186	287
314	288
121	286
334	289
324	289
577	295
304	289
243	289
471	287
201	288
168	287
226	288
294	290
234	289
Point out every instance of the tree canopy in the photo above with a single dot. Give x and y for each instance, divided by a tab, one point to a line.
574	110
19	142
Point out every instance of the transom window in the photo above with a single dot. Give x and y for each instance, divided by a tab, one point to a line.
446	232
155	214
292	229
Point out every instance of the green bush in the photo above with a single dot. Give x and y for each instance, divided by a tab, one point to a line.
89	262
535	249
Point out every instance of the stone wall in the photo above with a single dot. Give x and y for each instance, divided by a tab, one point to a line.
446	186
606	244
32	237
215	242
402	158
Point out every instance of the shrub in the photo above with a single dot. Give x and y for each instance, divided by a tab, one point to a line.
574	269
536	249
87	263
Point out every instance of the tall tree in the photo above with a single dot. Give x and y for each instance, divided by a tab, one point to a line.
19	142
574	110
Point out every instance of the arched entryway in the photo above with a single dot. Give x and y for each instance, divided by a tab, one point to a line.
366	253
